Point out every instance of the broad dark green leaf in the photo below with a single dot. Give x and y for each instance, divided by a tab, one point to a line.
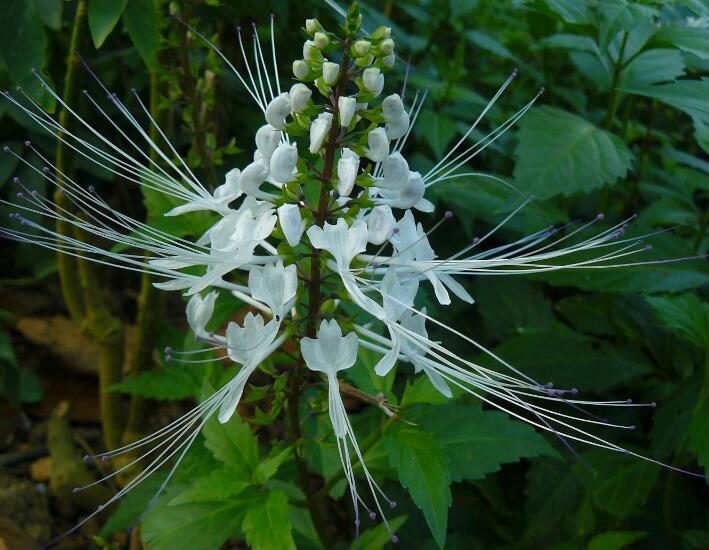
423	470
217	486
173	382
143	25
686	315
615	540
477	442
551	492
570	11
570	42
560	154
266	523
378	538
103	17
435	129
420	390
653	67
489	43
692	40
132	505
50	11
22	47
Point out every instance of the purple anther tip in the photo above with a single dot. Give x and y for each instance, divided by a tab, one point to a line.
515	72
604	420
6	148
104	458
600	216
372	515
85	91
238	28
628	401
448	215
392	504
476	240
395	230
45	169
91	189
394	539
20	194
168	357
28	143
15	179
75	490
211	334
573	391
100	507
356	523
87	458
273	15
133	90
34	70
634	216
653	404
542	90
631	427
648	247
18	88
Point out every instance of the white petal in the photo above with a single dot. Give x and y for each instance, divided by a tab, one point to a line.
392	107
346	107
277	111
319	130
330	72
378	145
283	163
299	96
380	224
347	168
398	128
396	172
292	224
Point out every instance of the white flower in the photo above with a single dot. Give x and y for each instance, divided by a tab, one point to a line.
330	352
199	312
319	130
387	46
396	172
300	69
283	163
219	202
378	145
277	111
330	72
347	168
248	346
307	46
380	223
392	107
275	286
373	80
267	139
252	177
321	40
312	26
407	196
299	96
344	243
346	107
292	224
398	127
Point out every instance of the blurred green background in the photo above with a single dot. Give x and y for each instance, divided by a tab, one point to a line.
622	129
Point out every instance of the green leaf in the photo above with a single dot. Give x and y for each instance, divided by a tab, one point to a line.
570	11
218	485
569	42
103	16
233	444
477	442
487	42
686	315
142	22
364	377
132	505
267	524
268	467
435	129
551	492
422	391
50	11
22	47
692	40
173	382
561	153
378	538
653	67
422	469
203	525
510	307
615	540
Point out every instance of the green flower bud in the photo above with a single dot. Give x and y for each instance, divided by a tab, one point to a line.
321	40
361	47
300	69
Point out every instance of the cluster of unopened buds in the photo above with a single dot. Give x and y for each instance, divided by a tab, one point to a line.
323	217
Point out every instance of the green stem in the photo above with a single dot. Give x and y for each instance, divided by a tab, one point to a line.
613	100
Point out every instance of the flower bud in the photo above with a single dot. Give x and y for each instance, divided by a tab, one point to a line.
300	69
330	72
267	139
291	223
380	223
299	97
387	46
399	127
307	46
412	192
252	177
396	172
392	107
321	40
378	145
277	111
346	107
283	163
319	130
361	47
389	60
312	26
373	80
381	33
347	168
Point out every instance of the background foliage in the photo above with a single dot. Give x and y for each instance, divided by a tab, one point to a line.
623	128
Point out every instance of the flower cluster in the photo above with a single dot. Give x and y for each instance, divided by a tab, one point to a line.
324	215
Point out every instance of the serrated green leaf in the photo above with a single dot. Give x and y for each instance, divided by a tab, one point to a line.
173	382
378	537
103	17
570	11
615	540
653	67
143	25
268	467
685	314
233	444
203	525
218	485
420	390
422	469
561	154
551	493
267	523
435	129
694	40
477	442
22	47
